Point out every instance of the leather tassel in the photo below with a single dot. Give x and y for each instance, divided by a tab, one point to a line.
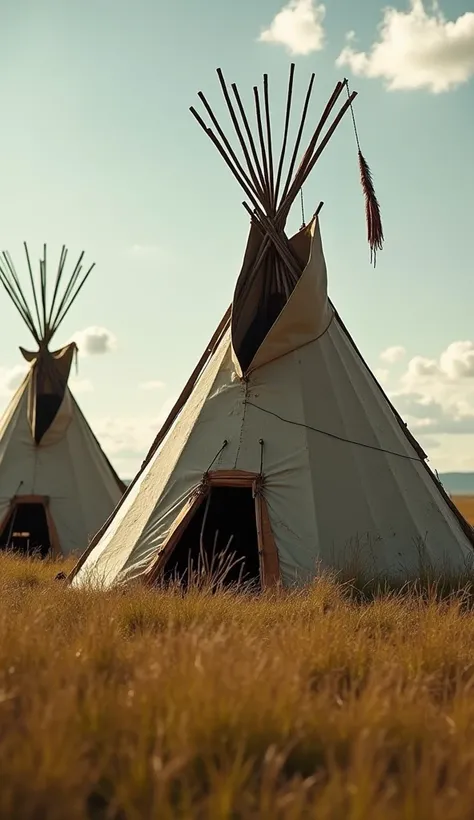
375	235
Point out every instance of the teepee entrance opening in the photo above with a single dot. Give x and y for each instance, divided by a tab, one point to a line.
223	532
220	541
26	528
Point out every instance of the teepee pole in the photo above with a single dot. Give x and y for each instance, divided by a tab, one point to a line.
298	138
302	176
286	126
258	185
33	287
237	171
62	262
258	182
243	174
282	247
49	315
74	296
15	293
250	138
15	285
269	142
264	160
43	291
63	302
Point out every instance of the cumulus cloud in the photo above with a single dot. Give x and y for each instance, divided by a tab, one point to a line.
298	27
95	341
154	384
455	364
420	367
435	396
392	354
417	49
457	361
431	415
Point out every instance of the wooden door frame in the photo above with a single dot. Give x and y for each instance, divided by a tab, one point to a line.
267	551
18	500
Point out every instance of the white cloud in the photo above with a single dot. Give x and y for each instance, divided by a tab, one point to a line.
457	361
151	385
435	396
126	440
126	436
381	374
392	354
11	378
298	27
455	364
94	341
417	49
420	367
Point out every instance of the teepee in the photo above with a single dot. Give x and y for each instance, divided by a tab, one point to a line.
56	484
283	448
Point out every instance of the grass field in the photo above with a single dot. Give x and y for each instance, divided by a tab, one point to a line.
151	705
465	504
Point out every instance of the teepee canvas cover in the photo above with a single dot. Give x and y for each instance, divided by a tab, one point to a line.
282	441
56	484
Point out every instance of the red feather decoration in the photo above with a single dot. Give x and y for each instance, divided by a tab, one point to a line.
372	210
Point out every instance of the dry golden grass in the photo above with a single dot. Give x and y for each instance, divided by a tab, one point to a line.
465	505
153	705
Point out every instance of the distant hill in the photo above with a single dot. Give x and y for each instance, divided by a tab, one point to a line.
454	483
458	483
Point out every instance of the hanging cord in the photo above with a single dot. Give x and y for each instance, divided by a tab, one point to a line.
224	445
375	235
303	223
335	436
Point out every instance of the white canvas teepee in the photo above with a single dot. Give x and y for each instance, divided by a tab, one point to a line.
56	484
282	445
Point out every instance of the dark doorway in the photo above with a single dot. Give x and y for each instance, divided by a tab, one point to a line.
26	531
221	540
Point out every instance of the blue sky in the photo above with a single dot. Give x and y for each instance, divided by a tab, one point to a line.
101	153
